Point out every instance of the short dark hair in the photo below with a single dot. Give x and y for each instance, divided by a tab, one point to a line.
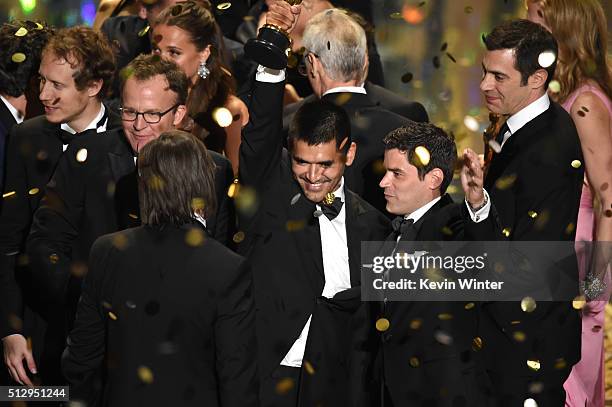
87	51
15	76
320	122
528	40
145	67
440	145
176	178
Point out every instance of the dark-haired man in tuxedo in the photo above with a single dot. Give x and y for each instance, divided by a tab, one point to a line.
534	172
75	73
303	234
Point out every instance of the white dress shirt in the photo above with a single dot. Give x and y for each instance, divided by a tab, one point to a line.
335	268
349	89
92	125
515	123
18	116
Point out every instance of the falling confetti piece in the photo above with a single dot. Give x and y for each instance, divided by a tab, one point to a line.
468	9
81	155
222	116
436	62
407	77
112	316
382	324
198	204
396	15
515	322
33	191
246	200
224	6
445	317
477	343
414	361
308	367
78	269
415	324
144	31
506	232
18	57
422	155
446	230
328	46
120	241
546	59
579	302
554	86
560	364
528	304
505	182
471	123
569	229
145	374
530	403
238	237
342	98
42	155
194	237
519	336
536	387
295	225
130	304
443	47
53	258
295	198
39	26
532	214
156	183
576	164
133	216
21	32
452	58
284	386
443	338
581	113
469	305
533	364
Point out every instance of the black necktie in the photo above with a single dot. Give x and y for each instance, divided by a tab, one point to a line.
500	136
401	225
331	211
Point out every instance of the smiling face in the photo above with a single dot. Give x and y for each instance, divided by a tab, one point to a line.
176	45
63	102
319	168
150	95
404	191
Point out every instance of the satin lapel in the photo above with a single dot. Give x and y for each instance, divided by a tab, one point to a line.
120	156
307	237
356	231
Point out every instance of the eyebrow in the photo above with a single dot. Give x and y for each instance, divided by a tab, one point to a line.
302	161
494	72
395	170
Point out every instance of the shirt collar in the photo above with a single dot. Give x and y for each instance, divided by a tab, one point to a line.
349	89
18	116
92	125
418	214
528	113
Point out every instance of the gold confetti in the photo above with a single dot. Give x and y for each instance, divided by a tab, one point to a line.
33	191
9	194
528	304
569	229
532	214
546	59
471	123
144	31
81	155
416	324
194	237
112	316
120	241
233	189
422	155
145	374
53	258
238	237
579	302
533	364
21	32
224	6
505	182
382	324
78	269
395	16
285	385
414	361
554	86
519	336
576	164
469	305
15	322
506	232
18	57
530	403
308	367
222	116
468	9
110	189
445	317
39	26
342	98
295	225
246	200
446	230
477	344
560	364
378	167
515	322
443	338
156	183
23	260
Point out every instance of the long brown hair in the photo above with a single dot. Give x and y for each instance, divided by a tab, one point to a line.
580	28
196	18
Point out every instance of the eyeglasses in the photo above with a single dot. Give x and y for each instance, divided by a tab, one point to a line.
129	115
301	68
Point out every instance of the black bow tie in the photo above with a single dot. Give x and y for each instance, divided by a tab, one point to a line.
331	211
67	137
502	131
401	225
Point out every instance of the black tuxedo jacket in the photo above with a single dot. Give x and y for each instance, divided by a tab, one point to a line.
170	323
533	172
33	152
370	123
282	238
7	121
417	367
89	198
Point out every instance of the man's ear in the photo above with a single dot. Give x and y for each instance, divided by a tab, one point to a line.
350	154
179	114
94	88
538	79
434	179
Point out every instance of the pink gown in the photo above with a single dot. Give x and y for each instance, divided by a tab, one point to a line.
585	385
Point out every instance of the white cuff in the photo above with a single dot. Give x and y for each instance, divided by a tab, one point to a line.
482	213
269	75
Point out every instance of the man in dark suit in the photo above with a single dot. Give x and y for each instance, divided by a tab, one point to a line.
534	181
75	73
416	363
303	233
165	312
336	66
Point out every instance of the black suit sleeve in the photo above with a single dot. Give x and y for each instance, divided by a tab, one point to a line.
85	348
235	342
223	223
55	227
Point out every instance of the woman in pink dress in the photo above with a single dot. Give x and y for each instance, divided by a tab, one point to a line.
585	79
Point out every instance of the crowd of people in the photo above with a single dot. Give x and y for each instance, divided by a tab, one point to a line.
181	225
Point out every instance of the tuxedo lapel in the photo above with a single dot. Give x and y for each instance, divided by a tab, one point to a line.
120	156
356	231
